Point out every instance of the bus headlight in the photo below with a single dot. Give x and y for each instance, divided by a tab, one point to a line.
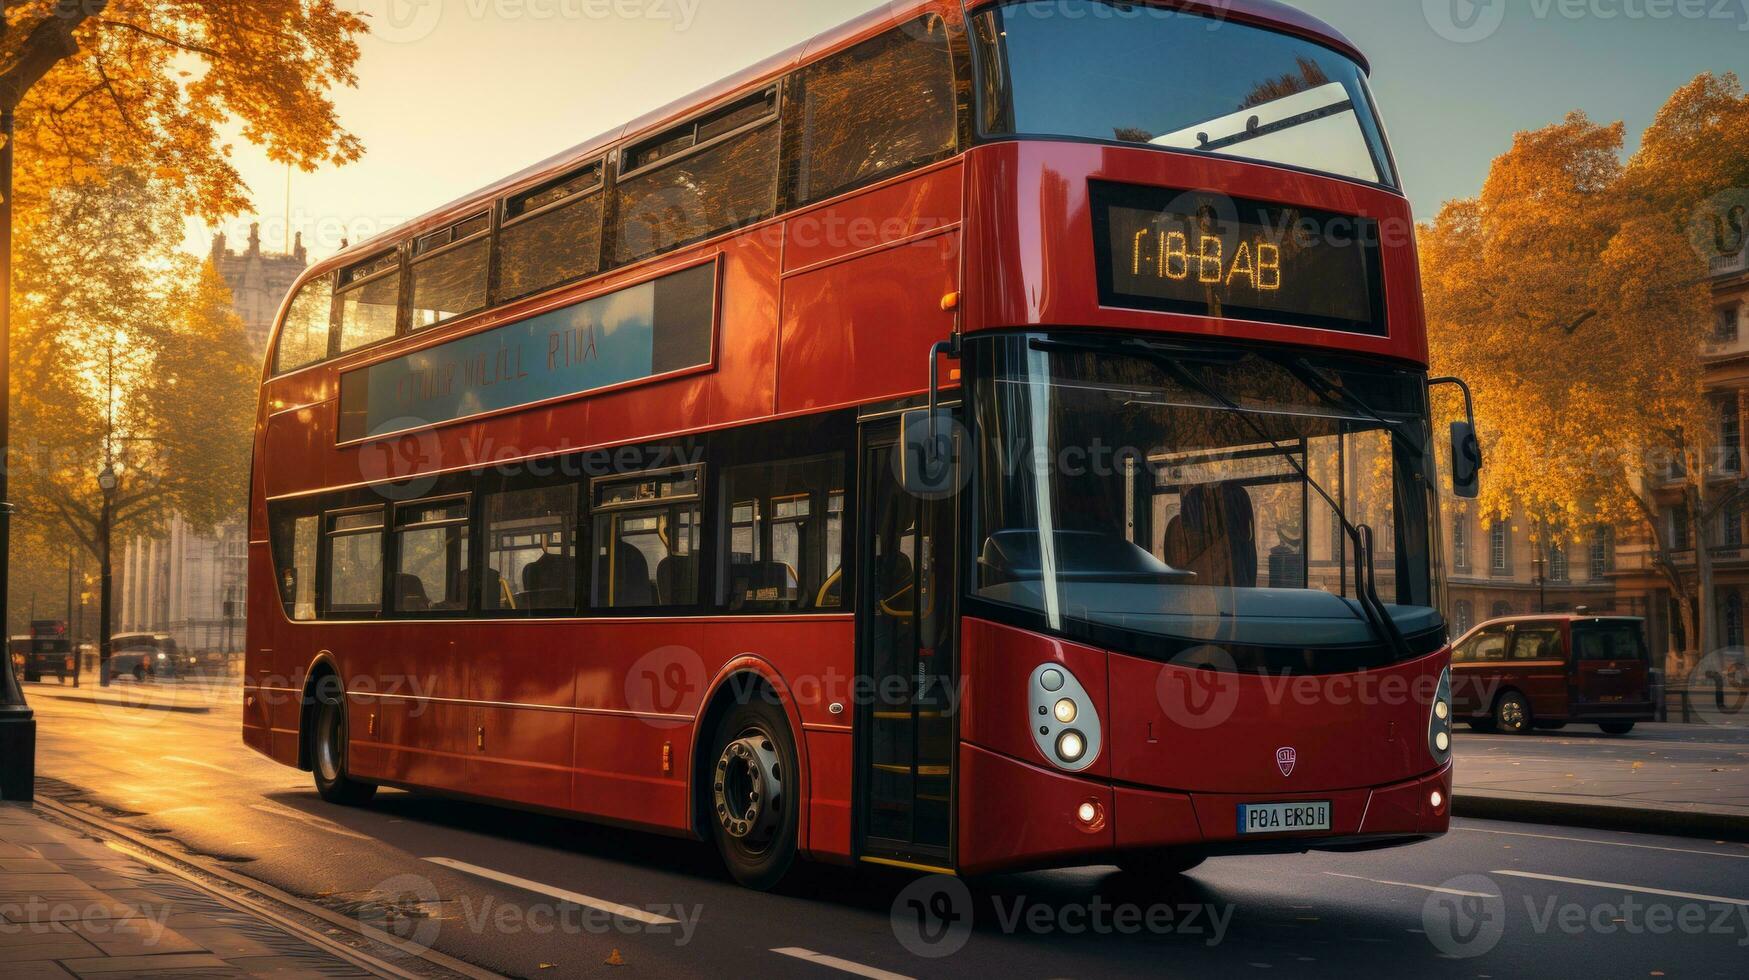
1439	721
1058	701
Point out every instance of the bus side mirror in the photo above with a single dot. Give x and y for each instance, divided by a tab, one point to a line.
926	452
1466	461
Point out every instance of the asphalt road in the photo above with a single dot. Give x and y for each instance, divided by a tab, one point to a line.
522	894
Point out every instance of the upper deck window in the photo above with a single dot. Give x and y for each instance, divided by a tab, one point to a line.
303	339
1133	73
880	108
370	294
551	233
450	268
698	179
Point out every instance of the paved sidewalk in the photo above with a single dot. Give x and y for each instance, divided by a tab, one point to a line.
194	695
1679	779
71	906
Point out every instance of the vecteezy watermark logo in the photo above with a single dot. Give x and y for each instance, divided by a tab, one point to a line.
1203	696
1465	917
1718	688
663	683
1719	227
932	917
1464	21
403	21
400	467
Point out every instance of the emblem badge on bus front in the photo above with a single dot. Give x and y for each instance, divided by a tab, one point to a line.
1285	758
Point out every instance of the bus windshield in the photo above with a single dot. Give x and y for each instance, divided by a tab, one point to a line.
1204	496
1135	73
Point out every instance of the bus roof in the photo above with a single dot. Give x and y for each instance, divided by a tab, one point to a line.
1263	13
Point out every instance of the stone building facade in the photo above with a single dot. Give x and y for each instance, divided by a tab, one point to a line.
181	582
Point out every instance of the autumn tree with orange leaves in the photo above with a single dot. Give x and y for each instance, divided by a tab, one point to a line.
120	101
1572	294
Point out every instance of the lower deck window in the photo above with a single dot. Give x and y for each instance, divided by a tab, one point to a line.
355	562
646	540
531	560
784	550
431	570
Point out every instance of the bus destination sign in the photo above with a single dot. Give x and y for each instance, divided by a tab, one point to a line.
1210	255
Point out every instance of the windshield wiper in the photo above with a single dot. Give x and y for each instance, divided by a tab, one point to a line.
1336	396
1365	586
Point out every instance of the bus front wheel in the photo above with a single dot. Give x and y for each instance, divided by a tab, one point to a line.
328	740
753	793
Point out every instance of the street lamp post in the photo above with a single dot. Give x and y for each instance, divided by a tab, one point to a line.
17	723
106	482
1542	583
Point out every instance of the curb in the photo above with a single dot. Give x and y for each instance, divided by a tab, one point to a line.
1672	821
189	709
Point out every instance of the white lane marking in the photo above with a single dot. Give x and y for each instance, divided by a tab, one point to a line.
611	908
1609	843
203	765
1410	884
1616	886
834	963
310	821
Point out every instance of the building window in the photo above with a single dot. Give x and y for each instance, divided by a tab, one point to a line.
431	556
1678	518
1602	553
1501	609
1463	617
1731	526
531	557
1730	436
1460	542
1725	326
1734	620
1497	548
355	562
878	109
785	528
646	539
1558	568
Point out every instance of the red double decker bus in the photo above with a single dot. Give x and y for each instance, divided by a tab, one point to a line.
989	435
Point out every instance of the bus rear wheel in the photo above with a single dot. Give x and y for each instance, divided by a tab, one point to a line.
328	739
752	793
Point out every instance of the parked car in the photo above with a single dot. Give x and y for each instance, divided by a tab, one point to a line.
47	650
1523	673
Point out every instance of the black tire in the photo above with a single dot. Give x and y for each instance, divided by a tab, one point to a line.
1550	726
1616	727
140	673
1512	714
1155	865
31	677
751	753
328	737
1484	725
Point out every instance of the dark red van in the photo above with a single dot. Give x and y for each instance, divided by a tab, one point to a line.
1513	675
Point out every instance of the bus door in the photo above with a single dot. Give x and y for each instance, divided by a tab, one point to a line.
907	662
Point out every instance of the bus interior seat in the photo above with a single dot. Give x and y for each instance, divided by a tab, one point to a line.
677	580
1215	535
631	577
549	575
760	582
410	594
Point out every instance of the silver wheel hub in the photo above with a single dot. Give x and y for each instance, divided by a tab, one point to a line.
748	788
1512	713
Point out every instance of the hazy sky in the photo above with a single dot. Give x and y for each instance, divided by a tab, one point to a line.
454	94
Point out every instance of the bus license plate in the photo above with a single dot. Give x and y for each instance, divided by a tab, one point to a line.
1283	818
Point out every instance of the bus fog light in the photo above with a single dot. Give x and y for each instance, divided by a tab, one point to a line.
1087	813
1437	799
1442	741
1071	746
1065	711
